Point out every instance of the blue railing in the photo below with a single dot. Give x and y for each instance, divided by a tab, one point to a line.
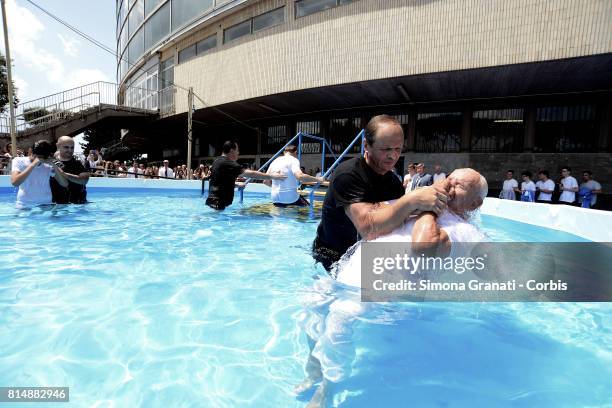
358	138
300	136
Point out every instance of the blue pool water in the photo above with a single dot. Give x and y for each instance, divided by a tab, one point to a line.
153	300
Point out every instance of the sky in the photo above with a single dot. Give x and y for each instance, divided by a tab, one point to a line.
48	57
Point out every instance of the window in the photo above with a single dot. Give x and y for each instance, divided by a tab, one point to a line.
183	11
269	19
186	54
566	129
122	40
206	44
276	135
158	26
342	131
500	130
438	132
237	31
136	16
150	5
306	7
310	127
136	47
167	73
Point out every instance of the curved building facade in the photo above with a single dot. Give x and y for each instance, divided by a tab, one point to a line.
528	80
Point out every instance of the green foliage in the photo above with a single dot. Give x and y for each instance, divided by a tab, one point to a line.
4	87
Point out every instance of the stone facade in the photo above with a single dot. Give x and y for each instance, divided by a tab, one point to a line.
371	39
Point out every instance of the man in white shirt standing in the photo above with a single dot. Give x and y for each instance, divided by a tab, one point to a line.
568	187
510	187
135	171
166	171
438	173
284	192
545	186
528	188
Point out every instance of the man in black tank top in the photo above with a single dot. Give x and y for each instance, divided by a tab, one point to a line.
75	172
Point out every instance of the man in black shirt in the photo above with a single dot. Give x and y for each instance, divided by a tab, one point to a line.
354	204
224	171
75	172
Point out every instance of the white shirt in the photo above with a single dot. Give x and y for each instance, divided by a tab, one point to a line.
162	172
510	184
134	170
568	196
437	177
528	186
546	185
285	191
458	230
35	189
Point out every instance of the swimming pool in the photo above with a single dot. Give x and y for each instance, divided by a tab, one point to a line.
151	299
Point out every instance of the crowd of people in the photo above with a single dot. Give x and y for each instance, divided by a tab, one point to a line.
565	190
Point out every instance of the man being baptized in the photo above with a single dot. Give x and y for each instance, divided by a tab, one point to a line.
328	320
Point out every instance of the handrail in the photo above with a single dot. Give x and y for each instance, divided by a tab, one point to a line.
360	136
298	136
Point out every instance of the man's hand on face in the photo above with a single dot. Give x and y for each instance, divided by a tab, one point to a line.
431	198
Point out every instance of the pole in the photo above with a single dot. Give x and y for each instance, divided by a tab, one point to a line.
189	131
10	84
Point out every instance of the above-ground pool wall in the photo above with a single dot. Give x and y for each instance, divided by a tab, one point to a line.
594	225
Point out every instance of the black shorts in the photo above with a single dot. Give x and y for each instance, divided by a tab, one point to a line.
215	203
325	256
301	202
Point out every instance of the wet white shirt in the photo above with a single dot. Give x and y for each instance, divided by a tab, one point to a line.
285	191
35	189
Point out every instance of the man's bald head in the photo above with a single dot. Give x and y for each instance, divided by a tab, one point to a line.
65	147
467	189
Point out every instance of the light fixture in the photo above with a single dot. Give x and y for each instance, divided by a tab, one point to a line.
402	90
271	109
508	121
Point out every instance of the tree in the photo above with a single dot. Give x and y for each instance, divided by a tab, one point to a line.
4	100
35	112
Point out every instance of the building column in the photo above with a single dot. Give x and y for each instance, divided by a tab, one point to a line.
466	130
530	122
411	131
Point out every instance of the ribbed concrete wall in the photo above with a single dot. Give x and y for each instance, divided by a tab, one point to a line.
372	39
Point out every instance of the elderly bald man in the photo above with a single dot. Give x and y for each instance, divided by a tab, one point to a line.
74	171
329	328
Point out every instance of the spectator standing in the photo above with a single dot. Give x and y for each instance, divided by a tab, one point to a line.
166	170
528	188
545	186
568	187
510	187
589	187
410	172
438	174
420	179
94	159
134	171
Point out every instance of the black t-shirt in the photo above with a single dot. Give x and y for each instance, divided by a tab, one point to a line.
222	180
353	182
75	193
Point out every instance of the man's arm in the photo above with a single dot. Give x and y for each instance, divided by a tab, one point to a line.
428	238
261	176
59	176
18	177
307	178
374	220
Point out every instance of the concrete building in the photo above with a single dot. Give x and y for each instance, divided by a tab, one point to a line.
491	84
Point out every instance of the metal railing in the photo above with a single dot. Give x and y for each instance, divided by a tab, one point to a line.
70	103
299	137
